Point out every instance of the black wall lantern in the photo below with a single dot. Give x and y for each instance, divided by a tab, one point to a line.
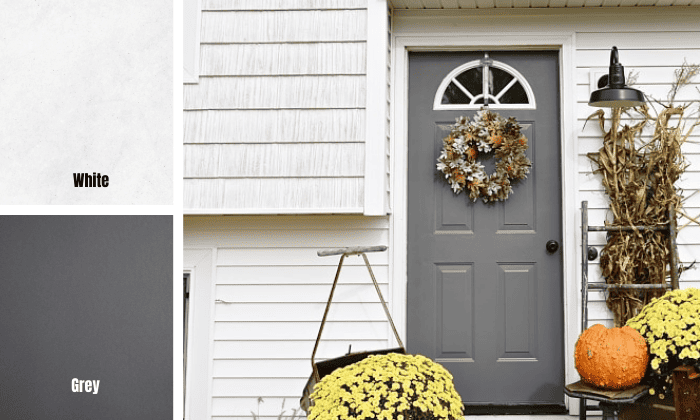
612	91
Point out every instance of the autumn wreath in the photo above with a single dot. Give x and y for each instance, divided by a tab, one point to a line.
486	133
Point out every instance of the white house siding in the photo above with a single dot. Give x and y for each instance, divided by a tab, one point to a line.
276	122
269	293
654	56
269	287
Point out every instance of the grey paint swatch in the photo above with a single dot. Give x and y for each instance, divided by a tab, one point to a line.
86	297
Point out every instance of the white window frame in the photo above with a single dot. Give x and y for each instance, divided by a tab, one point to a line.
517	77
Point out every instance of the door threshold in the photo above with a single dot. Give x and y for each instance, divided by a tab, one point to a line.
519	409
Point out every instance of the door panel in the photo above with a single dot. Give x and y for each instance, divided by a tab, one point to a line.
484	296
455	332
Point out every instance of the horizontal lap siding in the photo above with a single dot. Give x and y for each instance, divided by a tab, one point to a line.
283	59
261	160
312	293
652	57
283	92
275	126
282	4
286	195
283	26
301	312
270	292
276	123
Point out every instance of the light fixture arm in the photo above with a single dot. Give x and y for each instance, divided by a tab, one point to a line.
612	91
616	71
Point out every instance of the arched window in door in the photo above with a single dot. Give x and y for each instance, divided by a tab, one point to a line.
484	82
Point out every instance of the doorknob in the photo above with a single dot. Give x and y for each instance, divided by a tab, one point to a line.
552	246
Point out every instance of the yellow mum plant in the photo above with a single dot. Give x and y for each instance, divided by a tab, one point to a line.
671	326
387	387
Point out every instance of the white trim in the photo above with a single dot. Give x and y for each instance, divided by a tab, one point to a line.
200	264
435	41
192	18
267	210
580	14
460	6
187	350
517	77
375	110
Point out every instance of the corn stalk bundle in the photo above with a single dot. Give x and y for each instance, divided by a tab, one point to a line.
639	178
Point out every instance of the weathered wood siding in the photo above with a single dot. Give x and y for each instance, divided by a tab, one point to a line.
270	291
277	120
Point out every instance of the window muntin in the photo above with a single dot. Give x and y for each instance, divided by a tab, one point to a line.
467	87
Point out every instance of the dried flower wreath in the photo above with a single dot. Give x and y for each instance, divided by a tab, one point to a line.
487	132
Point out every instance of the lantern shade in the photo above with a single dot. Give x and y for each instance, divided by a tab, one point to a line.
625	97
616	94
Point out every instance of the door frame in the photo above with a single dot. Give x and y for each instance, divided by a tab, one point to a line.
200	264
563	42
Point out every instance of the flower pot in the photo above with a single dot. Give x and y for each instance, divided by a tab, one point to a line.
684	404
321	369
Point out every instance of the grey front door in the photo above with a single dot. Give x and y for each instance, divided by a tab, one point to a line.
484	294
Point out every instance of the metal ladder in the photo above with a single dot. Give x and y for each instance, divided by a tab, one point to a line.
591	253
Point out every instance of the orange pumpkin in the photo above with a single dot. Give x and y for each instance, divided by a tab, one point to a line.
614	358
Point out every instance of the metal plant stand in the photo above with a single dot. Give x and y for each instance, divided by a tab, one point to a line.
609	402
323	368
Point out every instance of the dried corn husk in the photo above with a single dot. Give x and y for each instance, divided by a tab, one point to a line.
640	180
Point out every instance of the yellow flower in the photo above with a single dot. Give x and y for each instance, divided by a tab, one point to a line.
671	326
384	387
655	363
